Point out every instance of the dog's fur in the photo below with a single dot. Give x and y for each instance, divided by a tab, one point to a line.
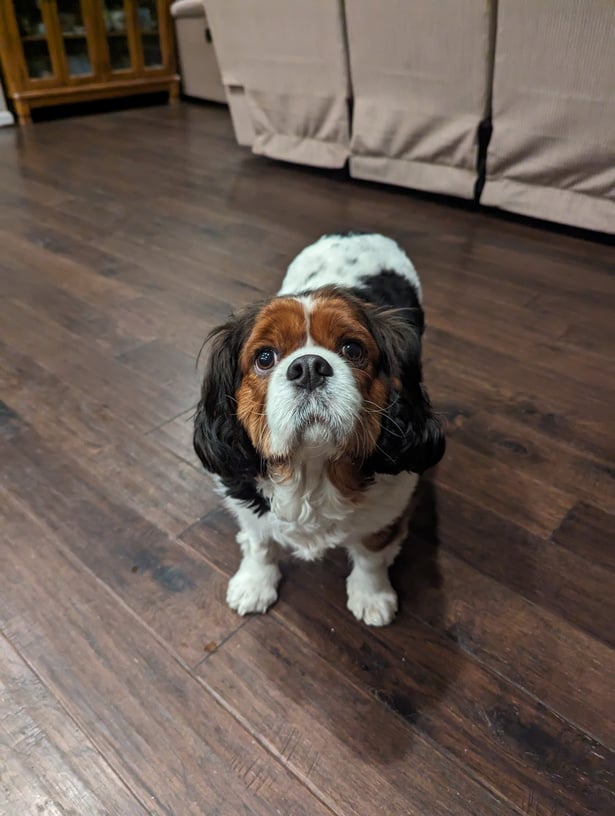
315	421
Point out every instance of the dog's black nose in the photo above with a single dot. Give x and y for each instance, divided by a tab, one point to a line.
309	371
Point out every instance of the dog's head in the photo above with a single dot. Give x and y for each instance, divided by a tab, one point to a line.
321	372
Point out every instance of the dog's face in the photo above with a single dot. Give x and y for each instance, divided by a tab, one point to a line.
310	377
323	371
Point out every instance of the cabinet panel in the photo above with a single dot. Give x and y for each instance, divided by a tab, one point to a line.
57	51
149	27
30	26
120	36
80	54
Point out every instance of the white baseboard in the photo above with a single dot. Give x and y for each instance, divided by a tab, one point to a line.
6	118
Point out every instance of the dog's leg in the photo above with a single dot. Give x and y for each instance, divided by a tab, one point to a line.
371	598
254	587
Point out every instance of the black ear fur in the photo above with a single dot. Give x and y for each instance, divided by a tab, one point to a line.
411	437
220	441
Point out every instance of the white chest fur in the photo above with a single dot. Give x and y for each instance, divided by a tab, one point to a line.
309	515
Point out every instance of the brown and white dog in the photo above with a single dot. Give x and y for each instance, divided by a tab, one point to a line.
315	421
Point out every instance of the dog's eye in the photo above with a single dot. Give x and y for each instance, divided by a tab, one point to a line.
353	351
265	360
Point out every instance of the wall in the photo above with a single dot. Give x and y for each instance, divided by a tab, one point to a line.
6	118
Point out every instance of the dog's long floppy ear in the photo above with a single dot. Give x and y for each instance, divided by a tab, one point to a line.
220	441
411	437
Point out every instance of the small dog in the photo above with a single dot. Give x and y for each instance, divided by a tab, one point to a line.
315	421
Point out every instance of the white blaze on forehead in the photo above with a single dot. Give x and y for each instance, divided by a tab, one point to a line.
307	301
335	406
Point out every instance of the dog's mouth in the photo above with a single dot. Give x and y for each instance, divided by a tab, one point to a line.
317	423
314	408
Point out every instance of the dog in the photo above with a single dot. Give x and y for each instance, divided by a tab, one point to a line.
315	422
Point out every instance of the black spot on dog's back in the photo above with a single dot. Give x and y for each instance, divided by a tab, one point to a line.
394	291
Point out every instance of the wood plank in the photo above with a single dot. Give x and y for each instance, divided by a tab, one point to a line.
177	594
89	322
565	669
502	489
208	262
178	748
62	248
176	436
84	425
213	277
137	469
129	395
529	452
458	385
341	739
504	326
537	569
48	764
169	492
449	281
518	746
506	373
32	395
19	191
590	532
52	258
164	364
553	263
136	273
592	334
183	328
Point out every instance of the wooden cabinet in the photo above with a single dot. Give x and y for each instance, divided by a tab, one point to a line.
57	51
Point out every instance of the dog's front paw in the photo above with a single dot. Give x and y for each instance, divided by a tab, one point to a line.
373	607
253	588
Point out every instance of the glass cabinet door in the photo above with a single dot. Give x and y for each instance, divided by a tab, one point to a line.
74	34
33	27
148	24
117	18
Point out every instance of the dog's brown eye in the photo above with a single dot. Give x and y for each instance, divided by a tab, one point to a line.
353	351
265	359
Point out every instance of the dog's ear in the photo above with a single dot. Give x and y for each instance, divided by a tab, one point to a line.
411	436
220	440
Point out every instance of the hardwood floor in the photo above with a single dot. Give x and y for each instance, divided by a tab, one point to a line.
127	686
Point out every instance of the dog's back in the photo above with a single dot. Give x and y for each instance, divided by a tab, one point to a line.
371	264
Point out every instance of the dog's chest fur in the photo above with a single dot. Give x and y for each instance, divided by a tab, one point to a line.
309	515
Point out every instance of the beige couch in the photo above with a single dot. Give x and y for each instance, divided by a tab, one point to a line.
284	65
198	61
552	153
421	86
427	83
